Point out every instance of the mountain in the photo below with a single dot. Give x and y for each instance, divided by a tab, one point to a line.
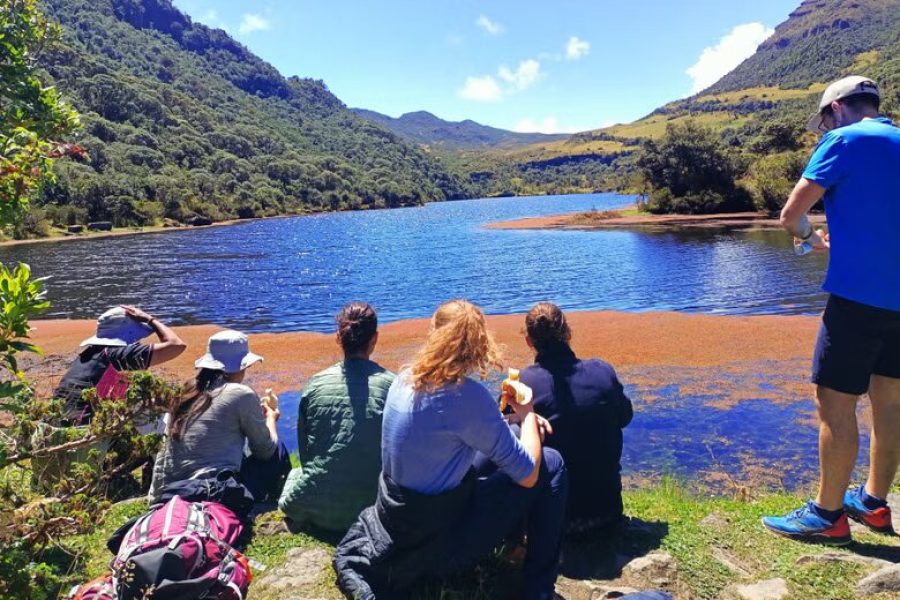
181	121
424	128
819	41
774	91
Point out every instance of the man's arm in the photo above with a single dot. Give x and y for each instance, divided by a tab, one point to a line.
793	216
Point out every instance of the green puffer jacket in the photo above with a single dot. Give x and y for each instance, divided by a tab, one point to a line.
339	435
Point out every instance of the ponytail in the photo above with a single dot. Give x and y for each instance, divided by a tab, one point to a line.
194	401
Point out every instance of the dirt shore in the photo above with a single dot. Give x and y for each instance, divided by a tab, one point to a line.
123	231
612	220
650	347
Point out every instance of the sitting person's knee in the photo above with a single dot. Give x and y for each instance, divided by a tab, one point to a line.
552	463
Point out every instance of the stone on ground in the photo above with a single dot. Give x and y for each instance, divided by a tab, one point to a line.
842	557
886	579
303	567
770	589
654	570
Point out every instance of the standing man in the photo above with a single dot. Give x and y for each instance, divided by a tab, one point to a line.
856	168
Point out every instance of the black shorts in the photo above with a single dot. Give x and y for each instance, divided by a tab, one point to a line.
855	342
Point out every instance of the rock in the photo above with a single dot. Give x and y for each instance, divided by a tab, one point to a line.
842	557
714	521
302	567
100	226
75	228
728	561
770	589
655	570
886	579
200	221
271	527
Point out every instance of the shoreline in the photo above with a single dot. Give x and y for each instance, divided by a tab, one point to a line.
126	231
652	348
585	221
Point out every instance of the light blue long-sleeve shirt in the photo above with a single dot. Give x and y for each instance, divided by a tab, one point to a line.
429	439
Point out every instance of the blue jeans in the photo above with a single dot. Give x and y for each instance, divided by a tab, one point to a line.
498	507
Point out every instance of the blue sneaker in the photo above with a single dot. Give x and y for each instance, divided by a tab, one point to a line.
805	525
878	519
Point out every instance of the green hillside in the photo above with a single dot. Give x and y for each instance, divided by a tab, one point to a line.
181	122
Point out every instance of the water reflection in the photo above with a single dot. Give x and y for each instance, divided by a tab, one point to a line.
294	274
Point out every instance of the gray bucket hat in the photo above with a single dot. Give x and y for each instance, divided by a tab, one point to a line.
840	89
228	351
116	328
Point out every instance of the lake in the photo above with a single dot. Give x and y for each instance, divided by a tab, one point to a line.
295	273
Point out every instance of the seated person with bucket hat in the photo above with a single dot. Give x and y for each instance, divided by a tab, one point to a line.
117	345
214	417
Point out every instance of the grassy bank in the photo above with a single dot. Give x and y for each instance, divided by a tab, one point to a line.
716	542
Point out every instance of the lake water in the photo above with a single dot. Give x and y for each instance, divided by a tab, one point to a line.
295	274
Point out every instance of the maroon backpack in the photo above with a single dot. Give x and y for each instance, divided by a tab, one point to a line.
179	550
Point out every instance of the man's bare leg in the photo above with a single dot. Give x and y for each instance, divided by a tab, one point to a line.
838	445
884	450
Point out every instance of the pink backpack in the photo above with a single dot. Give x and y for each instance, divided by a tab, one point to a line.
179	550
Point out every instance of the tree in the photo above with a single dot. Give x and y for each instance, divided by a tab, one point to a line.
690	171
38	509
33	118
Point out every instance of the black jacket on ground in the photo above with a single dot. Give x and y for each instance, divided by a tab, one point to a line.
587	406
400	539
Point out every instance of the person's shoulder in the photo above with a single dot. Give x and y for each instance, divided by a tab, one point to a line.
597	366
473	390
238	392
325	375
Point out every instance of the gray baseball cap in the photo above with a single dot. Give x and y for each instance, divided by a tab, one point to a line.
840	89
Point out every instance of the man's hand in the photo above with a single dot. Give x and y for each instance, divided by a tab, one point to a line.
271	414
544	427
137	314
820	240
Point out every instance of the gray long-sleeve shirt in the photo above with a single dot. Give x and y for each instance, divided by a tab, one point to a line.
214	441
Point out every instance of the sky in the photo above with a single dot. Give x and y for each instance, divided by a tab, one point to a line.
527	65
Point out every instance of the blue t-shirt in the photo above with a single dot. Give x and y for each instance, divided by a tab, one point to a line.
429	440
859	166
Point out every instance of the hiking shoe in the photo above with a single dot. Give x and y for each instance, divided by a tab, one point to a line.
878	520
805	525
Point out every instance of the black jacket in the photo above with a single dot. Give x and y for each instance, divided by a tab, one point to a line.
588	408
395	542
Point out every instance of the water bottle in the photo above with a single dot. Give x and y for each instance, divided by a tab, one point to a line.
802	248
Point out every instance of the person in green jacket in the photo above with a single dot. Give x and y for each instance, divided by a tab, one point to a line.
339	430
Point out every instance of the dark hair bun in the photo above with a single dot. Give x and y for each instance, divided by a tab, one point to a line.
356	325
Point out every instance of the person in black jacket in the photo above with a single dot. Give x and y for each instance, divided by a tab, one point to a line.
587	407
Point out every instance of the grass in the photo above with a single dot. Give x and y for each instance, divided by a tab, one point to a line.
675	523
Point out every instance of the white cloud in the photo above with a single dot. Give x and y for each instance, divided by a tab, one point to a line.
492	27
715	61
251	22
454	39
481	89
549	124
576	48
211	19
528	72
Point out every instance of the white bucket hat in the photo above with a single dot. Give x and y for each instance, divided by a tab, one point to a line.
116	328
228	351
